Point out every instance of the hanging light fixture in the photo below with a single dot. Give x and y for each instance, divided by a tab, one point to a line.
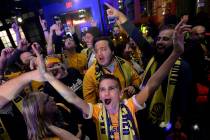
19	19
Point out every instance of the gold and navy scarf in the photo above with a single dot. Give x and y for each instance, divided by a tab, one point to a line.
126	125
160	107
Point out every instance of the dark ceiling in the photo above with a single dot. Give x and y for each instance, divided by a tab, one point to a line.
10	8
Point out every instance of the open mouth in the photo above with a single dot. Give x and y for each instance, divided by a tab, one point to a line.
89	44
54	72
160	47
107	101
100	58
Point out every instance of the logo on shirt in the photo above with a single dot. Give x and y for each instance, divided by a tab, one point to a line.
76	86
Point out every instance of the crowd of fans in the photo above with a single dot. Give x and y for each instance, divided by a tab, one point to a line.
104	87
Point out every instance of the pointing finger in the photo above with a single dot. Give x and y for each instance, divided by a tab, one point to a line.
179	24
109	6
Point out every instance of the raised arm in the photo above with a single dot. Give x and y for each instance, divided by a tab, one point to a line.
132	31
6	54
17	31
67	93
11	88
157	78
50	49
43	23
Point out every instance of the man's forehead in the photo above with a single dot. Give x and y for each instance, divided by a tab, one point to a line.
88	34
198	29
166	32
108	82
26	54
102	44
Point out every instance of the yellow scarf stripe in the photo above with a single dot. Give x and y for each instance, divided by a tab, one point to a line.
3	132
160	103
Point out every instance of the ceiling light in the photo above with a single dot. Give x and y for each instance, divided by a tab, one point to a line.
19	19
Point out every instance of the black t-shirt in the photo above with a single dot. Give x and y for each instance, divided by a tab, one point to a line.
73	80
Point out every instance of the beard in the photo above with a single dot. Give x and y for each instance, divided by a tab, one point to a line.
202	41
161	57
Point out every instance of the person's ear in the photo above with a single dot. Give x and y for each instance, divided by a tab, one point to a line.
112	53
121	93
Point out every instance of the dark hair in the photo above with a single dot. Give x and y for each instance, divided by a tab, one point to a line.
121	43
67	36
110	43
111	77
56	18
167	27
93	31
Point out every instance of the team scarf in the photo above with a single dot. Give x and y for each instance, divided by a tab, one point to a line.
126	125
160	107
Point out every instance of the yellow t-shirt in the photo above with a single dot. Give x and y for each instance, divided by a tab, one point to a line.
77	61
132	105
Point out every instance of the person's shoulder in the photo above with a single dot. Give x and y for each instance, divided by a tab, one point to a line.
98	105
185	66
73	74
126	64
84	51
122	61
92	69
81	55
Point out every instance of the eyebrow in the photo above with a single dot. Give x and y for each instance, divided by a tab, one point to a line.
164	37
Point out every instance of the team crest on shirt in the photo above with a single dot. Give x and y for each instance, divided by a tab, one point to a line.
76	86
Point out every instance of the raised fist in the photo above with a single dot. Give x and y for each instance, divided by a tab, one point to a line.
6	53
23	45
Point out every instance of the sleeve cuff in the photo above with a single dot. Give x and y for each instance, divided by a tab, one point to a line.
89	115
139	107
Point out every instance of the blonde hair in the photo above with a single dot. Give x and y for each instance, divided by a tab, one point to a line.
33	113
